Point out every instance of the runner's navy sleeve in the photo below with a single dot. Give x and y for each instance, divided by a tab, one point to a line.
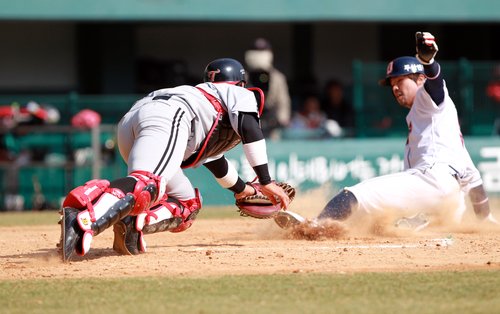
434	83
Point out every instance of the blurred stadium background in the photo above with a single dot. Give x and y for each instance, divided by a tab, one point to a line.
104	55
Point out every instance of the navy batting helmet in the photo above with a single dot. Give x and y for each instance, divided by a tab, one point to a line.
224	70
401	66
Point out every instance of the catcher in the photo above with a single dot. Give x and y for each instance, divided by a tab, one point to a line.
166	131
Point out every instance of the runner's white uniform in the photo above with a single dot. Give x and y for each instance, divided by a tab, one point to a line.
158	135
438	169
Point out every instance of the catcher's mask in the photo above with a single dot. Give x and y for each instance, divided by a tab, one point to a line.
225	71
401	66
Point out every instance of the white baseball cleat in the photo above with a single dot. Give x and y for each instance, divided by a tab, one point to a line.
288	219
415	223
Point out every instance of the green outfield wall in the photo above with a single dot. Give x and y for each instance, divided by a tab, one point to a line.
306	164
257	10
338	163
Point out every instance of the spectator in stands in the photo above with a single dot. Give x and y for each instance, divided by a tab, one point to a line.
261	73
336	106
312	122
310	116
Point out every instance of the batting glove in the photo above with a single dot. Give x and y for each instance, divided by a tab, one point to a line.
426	47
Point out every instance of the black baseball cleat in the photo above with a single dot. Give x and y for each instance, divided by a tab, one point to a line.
71	233
127	238
287	220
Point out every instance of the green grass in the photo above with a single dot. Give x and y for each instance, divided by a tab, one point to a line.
431	292
427	292
49	217
221	212
29	218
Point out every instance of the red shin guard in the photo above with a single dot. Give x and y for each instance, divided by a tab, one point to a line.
191	209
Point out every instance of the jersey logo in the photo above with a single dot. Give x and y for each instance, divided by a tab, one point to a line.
409	131
211	74
389	68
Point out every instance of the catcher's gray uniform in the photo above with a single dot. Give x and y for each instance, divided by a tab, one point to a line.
166	131
168	126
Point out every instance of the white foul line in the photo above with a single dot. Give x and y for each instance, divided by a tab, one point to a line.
441	242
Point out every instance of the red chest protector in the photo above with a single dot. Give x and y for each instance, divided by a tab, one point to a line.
221	137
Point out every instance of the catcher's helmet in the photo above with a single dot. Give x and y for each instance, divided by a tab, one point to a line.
224	70
401	66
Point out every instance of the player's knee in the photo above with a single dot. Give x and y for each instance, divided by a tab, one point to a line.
340	207
147	189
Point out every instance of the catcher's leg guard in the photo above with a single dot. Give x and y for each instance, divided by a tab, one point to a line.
122	208
191	209
98	214
169	215
92	198
116	212
78	229
340	207
145	200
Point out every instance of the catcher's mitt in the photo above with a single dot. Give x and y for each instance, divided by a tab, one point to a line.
260	206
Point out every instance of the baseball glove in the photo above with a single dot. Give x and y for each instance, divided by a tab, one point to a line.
260	206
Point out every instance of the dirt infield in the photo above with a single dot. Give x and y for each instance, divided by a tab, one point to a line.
250	246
